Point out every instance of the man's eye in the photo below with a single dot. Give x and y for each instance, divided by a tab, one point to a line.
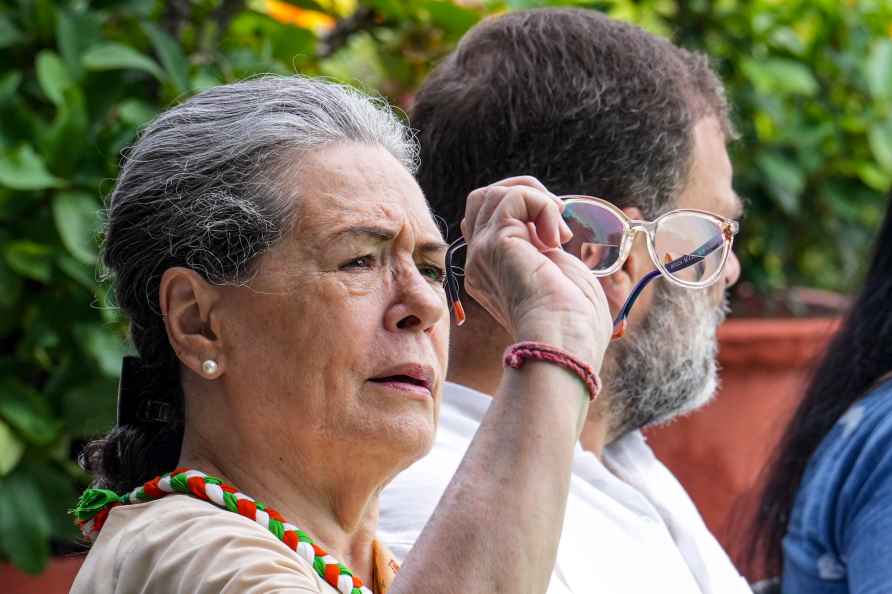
360	262
433	273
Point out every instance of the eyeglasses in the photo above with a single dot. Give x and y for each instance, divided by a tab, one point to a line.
688	247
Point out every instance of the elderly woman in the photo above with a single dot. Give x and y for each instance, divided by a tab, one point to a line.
284	282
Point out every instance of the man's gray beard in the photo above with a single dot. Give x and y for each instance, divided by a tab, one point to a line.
667	366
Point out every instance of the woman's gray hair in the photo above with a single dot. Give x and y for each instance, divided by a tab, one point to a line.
211	185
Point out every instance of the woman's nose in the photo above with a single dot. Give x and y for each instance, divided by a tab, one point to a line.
418	306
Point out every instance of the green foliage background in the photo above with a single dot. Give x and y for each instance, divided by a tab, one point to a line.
811	82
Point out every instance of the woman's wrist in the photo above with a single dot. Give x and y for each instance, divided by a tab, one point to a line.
578	340
517	354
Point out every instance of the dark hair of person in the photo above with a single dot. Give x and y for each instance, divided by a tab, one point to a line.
209	185
858	355
584	103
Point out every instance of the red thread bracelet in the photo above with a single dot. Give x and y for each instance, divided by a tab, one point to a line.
518	353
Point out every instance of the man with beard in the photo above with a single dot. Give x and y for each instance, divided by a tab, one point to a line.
586	105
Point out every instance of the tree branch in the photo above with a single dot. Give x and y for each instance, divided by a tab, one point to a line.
364	19
224	14
175	14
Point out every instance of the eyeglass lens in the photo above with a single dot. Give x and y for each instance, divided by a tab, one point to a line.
597	234
686	244
686	234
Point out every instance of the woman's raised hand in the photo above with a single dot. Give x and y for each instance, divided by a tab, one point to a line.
516	269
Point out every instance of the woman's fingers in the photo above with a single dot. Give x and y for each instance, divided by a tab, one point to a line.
483	202
532	182
516	270
529	205
479	207
522	180
581	276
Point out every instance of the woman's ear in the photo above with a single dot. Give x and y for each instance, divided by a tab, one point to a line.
188	306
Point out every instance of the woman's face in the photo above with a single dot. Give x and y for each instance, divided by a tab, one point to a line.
341	338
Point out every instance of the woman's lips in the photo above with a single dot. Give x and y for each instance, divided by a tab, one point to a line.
411	378
404	385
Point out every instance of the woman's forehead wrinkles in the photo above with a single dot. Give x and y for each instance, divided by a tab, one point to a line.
323	212
330	212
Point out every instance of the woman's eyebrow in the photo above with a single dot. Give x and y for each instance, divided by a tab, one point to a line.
429	247
370	231
381	234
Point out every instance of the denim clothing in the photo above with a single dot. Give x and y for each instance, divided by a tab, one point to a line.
839	539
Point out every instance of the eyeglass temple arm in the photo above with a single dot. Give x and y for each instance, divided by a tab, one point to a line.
686	261
451	284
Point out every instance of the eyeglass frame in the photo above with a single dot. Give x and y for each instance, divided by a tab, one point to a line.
728	227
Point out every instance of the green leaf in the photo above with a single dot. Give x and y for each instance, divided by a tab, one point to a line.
136	112
779	75
24	169
75	32
874	177
785	180
880	139
63	144
204	80
393	9
11	449
9	35
69	43
10	286
82	273
52	76
25	524
58	494
116	56
878	69
90	409
104	344
9	84
171	57
27	412
40	18
41	333
292	45
77	220
30	259
453	19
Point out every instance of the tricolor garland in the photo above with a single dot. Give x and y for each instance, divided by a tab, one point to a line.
95	504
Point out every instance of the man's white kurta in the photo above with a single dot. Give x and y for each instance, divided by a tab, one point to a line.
631	529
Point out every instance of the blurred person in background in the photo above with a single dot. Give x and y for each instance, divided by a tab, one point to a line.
592	106
825	519
283	277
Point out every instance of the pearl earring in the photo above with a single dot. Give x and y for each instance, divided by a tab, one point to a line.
209	367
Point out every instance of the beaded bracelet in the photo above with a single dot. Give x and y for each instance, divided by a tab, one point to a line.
518	353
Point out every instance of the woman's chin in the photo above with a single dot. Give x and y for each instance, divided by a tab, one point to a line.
406	439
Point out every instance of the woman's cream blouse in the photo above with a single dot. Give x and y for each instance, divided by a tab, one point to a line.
180	545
